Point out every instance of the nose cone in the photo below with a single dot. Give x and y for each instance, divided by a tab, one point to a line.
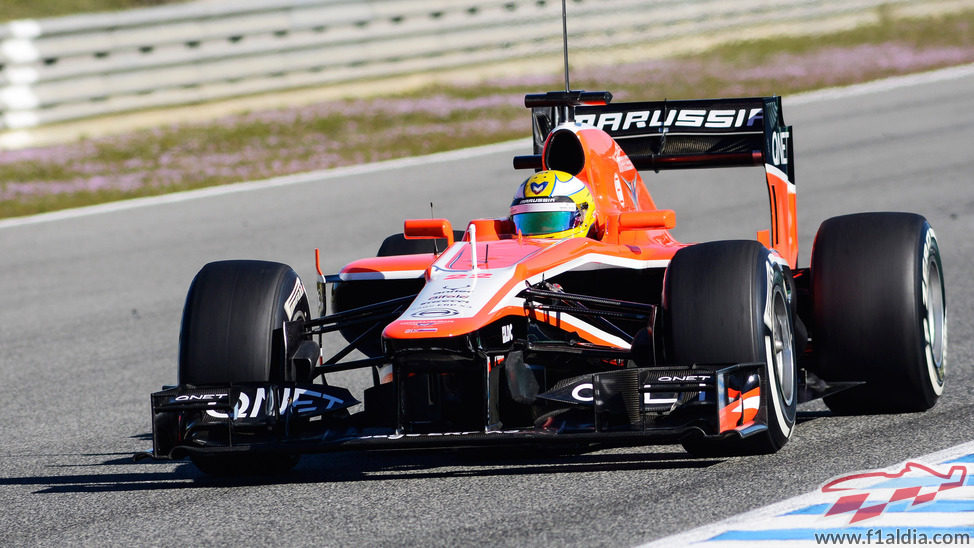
460	296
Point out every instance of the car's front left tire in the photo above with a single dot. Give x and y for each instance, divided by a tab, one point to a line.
232	332
728	302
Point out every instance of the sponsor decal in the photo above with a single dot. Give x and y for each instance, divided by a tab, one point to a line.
456	293
243	408
307	401
415	324
435	313
779	147
684	378
423	330
291	304
199	397
542	183
622	160
682	118
541	200
507	333
260	403
440	434
468	276
443	302
584	392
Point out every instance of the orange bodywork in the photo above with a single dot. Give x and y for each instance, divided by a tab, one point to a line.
616	186
741	410
461	296
783	236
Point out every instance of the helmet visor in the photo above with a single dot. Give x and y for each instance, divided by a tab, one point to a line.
544	222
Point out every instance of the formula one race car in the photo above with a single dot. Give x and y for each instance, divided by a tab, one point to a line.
577	321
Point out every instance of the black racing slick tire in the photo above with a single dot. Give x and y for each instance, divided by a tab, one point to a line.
232	332
397	244
232	323
879	309
729	302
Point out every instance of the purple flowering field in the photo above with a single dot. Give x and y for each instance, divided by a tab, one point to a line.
264	144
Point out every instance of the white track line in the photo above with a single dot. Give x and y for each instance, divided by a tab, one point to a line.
878	86
765	514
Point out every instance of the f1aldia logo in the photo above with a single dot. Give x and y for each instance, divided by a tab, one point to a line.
867	495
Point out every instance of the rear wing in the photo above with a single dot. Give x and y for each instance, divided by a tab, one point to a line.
658	135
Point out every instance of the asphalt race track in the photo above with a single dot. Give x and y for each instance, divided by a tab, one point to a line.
89	319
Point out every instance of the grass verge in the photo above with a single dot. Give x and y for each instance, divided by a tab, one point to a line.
38	9
335	133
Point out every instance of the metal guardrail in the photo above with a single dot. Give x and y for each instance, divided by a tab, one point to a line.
60	69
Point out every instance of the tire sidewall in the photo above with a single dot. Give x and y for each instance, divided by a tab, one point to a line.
929	291
782	411
294	305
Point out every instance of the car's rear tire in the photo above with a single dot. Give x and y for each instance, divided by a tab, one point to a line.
879	309
728	302
232	332
397	244
353	294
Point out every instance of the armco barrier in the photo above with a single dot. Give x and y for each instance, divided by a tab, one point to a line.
65	68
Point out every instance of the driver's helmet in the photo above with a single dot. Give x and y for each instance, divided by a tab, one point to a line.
553	204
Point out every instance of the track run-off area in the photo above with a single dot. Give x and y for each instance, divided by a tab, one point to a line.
90	303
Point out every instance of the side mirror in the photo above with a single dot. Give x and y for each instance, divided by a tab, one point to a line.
647	220
416	229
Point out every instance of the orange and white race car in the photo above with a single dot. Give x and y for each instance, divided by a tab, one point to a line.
578	319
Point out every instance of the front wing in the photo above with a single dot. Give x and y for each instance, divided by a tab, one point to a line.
616	408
